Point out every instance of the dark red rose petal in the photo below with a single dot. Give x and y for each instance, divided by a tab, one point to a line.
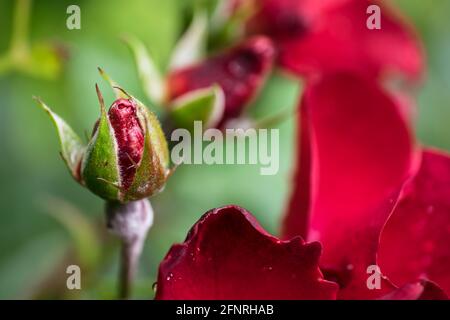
362	151
240	72
416	239
287	19
227	255
316	37
418	290
129	138
279	19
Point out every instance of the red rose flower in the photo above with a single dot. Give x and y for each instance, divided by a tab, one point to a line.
360	177
240	72
227	255
332	36
364	191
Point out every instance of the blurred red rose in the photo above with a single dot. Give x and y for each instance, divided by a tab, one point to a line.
313	37
240	72
360	176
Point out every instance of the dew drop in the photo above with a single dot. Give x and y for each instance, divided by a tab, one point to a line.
192	256
154	286
169	277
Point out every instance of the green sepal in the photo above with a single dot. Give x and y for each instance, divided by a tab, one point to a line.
72	148
151	79
100	169
152	171
206	105
120	94
190	48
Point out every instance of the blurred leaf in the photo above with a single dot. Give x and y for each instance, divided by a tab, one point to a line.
5	64
221	14
191	46
72	149
206	105
28	265
149	75
81	230
44	61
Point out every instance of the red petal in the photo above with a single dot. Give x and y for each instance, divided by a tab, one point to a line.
227	255
240	72
416	239
418	290
362	151
334	37
129	138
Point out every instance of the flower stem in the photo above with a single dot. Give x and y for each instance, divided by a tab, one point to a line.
19	38
130	222
130	254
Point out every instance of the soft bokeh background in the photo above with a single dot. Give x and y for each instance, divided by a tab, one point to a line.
47	221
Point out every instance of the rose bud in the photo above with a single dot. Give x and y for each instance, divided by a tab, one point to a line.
240	72
127	156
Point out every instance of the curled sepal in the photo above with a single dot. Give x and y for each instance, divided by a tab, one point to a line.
191	46
206	105
100	168
149	75
72	148
153	170
119	93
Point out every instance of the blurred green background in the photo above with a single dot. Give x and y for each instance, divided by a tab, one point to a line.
47	221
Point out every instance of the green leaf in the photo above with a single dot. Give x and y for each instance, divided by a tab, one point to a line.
206	105
100	165
151	80
72	148
190	48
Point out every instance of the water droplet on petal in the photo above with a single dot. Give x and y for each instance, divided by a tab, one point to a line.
169	277
154	286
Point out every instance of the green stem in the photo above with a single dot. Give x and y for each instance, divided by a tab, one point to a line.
20	29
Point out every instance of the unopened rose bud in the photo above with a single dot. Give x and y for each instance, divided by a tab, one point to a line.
127	157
